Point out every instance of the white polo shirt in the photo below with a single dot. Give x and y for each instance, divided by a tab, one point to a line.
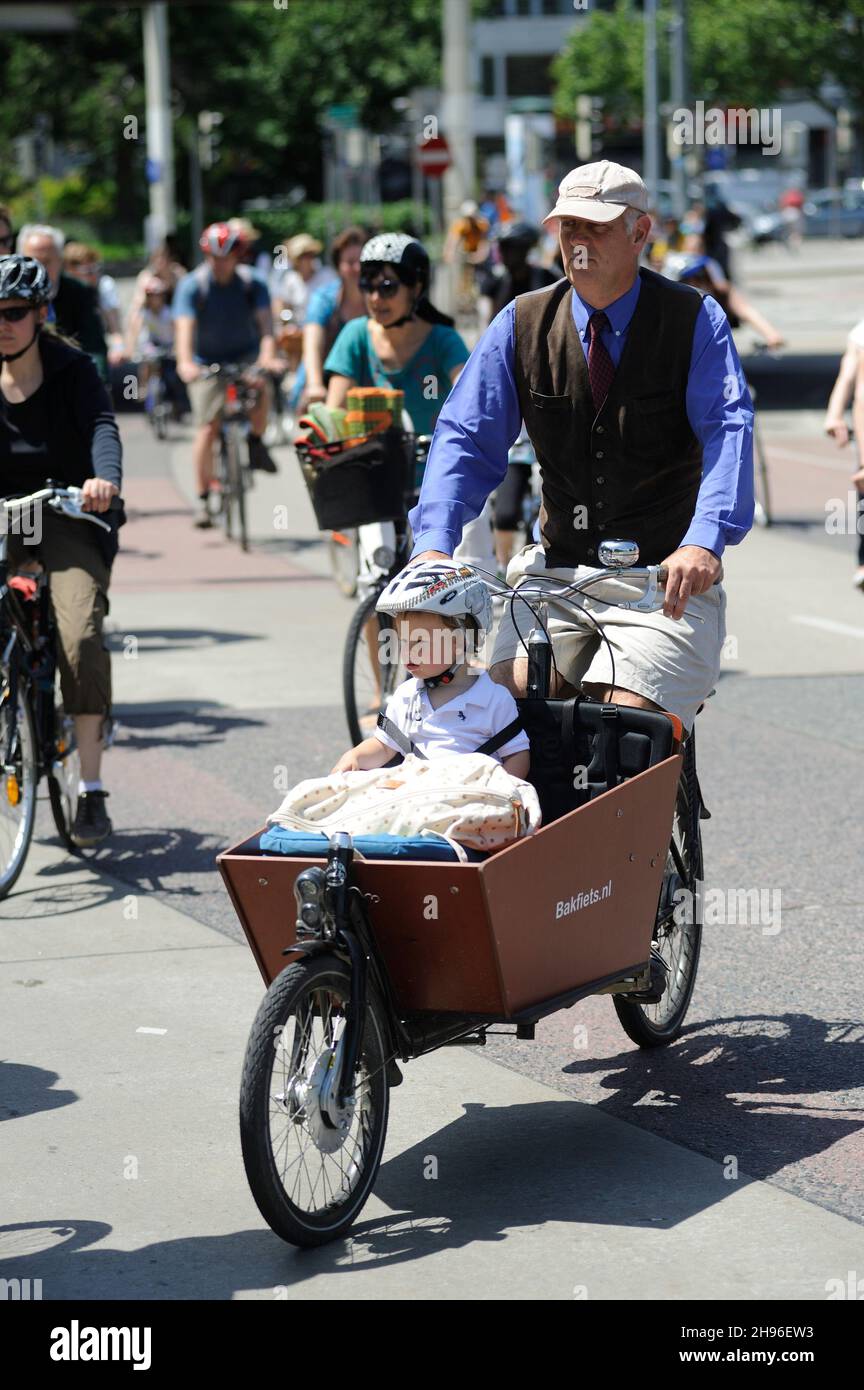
460	725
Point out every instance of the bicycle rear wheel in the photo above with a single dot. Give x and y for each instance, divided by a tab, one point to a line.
310	1163
677	933
371	669
19	778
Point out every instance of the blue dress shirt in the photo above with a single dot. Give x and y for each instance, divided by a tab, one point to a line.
481	418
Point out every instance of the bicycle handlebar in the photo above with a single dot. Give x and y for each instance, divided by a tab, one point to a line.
540	587
67	500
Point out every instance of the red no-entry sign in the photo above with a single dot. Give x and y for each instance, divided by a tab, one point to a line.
434	157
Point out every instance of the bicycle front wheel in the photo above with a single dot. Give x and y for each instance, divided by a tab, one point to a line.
344	560
678	929
20	776
371	668
64	775
228	465
311	1163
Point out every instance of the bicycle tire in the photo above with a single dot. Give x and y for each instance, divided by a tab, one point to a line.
634	1017
763	516
64	775
242	489
344	561
24	717
327	977
226	485
390	674
236	491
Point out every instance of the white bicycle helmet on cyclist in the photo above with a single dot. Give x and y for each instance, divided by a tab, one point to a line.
439	586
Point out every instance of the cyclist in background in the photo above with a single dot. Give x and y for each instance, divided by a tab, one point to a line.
408	345
222	314
330	307
73	306
705	275
515	274
151	338
56	422
83	262
402	341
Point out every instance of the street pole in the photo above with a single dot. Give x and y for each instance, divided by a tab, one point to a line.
196	196
678	32
458	122
160	150
650	116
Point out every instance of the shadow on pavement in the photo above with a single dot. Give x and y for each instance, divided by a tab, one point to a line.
26	1090
145	856
190	728
499	1168
745	1085
172	639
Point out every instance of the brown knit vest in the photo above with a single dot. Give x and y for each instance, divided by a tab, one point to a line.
633	470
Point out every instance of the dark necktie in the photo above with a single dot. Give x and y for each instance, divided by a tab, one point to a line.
600	368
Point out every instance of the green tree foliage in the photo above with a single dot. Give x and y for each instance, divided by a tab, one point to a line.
272	72
740	54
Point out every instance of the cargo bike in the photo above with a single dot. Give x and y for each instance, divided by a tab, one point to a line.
376	953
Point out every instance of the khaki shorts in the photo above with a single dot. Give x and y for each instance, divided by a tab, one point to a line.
78	580
207	397
674	662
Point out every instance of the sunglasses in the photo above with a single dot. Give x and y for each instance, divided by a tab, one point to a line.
384	287
15	315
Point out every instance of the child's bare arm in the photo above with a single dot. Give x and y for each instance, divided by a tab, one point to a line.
518	764
369	754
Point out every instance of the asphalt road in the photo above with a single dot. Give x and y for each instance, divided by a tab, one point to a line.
226	680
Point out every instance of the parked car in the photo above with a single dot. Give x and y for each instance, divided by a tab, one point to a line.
834	212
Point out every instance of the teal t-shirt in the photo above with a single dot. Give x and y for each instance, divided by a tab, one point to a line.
425	379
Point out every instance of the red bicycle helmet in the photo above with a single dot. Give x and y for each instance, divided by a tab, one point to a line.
220	240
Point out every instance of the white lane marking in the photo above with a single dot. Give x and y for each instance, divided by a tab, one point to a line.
842	629
151	1030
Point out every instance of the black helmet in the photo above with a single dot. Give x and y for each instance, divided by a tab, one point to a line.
519	234
22	277
406	253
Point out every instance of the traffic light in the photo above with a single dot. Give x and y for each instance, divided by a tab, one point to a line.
209	138
590	128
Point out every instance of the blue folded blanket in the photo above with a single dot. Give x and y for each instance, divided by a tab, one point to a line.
278	840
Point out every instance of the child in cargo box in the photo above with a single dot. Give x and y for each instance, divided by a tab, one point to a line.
444	706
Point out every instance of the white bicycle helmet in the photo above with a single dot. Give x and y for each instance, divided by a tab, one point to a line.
438	586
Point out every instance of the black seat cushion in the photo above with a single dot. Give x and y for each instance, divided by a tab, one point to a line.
574	744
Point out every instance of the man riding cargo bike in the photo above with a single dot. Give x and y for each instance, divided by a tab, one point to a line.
633	398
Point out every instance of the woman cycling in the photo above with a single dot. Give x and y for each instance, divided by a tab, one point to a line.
405	344
56	422
330	307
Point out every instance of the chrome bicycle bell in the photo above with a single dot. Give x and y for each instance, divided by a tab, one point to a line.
618	555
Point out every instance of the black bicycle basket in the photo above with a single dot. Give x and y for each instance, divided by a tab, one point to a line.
354	485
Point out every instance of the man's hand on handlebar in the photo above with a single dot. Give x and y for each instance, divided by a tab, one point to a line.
188	371
271	362
96	494
691	570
